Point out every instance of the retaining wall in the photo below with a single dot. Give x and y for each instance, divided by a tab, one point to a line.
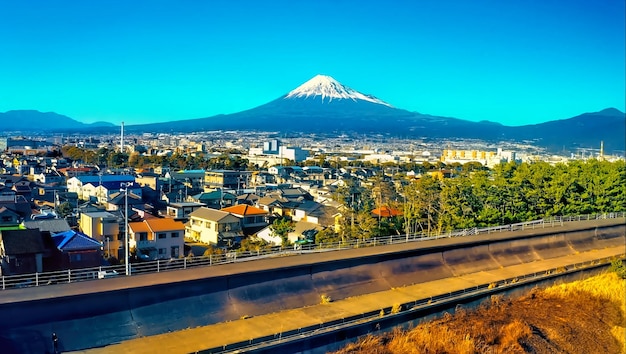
105	317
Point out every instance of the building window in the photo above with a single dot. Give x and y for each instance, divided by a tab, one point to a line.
162	251
143	236
175	252
120	237
174	234
162	235
75	257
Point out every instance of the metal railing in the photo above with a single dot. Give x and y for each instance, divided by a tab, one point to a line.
84	274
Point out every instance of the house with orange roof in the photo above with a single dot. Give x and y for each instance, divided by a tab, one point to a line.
251	217
157	238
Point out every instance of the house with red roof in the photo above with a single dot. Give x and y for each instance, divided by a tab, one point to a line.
70	172
386	212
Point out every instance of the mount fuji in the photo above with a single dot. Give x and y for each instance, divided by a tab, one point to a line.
327	89
324	105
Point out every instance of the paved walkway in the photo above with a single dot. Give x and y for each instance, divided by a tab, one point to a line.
217	335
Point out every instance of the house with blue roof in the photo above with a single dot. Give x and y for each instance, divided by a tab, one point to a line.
76	250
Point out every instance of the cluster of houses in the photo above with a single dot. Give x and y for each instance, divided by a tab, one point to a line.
158	209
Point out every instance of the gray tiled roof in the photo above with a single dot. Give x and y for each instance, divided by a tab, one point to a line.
22	241
209	214
51	225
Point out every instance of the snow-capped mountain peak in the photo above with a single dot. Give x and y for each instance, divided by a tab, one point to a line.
327	87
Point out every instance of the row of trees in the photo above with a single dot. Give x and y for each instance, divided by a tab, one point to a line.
507	194
116	159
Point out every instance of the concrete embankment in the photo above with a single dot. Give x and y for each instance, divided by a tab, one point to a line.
324	327
98	313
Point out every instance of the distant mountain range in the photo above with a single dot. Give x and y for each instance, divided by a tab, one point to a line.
323	105
30	120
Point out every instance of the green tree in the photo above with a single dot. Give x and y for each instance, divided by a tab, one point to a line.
253	244
349	196
382	192
429	203
281	227
459	205
211	250
64	209
365	225
327	235
117	159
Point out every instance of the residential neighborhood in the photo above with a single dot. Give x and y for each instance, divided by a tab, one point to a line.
90	203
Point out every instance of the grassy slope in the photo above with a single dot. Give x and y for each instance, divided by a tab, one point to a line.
587	316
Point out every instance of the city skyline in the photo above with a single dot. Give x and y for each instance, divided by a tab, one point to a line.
156	61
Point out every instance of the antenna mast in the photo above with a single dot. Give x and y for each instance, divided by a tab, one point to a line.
122	139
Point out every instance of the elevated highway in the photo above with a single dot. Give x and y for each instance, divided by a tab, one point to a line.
108	311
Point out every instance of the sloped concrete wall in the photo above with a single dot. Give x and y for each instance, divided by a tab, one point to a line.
469	259
416	269
100	318
513	252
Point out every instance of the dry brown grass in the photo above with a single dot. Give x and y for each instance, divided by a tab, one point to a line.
587	316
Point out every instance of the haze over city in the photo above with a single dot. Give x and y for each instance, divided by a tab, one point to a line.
146	61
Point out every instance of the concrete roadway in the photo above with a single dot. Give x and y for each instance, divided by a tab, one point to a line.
168	277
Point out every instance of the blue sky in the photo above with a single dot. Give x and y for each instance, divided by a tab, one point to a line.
513	62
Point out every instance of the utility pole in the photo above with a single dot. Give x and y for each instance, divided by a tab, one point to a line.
124	186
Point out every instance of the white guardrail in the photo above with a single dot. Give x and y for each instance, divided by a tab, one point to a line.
85	274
